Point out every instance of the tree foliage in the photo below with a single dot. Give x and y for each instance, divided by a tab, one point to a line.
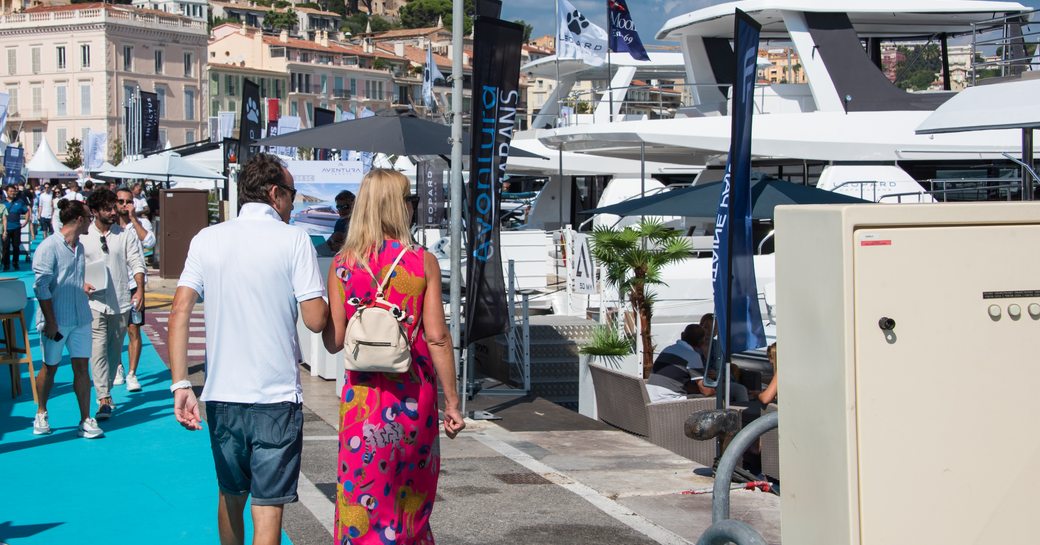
528	28
281	20
634	258
117	151
74	154
920	67
424	13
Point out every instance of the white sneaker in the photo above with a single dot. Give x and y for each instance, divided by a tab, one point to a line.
132	385
40	424
89	429
119	376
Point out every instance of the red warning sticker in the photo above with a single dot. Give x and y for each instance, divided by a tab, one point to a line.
875	243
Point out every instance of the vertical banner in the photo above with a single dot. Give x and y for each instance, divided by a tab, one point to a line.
496	78
272	110
733	269
581	268
14	161
149	122
226	121
323	116
5	99
366	157
94	150
249	128
430	185
286	125
214	129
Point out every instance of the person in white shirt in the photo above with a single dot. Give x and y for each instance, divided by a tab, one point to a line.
257	274
140	201
145	239
45	209
64	319
73	193
120	252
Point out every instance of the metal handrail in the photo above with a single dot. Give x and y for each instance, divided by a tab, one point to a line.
518	337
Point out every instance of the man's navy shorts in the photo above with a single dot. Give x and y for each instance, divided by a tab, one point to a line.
256	449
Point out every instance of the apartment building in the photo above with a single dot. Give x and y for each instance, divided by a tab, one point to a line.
321	72
70	69
311	21
195	9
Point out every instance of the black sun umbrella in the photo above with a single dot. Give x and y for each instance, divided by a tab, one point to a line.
389	134
703	200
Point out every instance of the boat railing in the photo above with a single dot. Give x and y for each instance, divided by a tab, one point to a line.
664	101
998	47
961	190
942	190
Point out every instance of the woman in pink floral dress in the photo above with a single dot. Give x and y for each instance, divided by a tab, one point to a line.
389	456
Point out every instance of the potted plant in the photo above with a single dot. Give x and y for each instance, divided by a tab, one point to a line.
608	347
633	259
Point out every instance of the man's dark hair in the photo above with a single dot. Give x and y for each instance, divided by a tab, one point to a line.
345	196
88	185
69	211
693	335
101	199
261	172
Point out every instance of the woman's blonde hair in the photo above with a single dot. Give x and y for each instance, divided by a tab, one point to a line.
380	212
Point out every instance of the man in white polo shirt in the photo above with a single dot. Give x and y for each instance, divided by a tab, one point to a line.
253	272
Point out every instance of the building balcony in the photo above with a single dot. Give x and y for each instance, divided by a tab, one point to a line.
108	14
28	114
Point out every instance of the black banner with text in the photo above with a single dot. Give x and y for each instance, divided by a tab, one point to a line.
249	127
430	186
496	77
150	122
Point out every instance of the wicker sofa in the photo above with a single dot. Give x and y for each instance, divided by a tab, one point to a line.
622	402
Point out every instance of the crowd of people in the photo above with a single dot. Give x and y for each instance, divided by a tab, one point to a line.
89	280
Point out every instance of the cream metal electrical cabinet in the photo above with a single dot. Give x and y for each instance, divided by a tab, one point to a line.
908	363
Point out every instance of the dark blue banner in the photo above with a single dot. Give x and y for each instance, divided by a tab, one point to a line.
733	269
496	96
14	161
623	35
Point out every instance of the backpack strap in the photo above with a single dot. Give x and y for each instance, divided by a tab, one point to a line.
381	287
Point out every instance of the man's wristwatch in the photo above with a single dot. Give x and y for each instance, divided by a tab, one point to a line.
180	385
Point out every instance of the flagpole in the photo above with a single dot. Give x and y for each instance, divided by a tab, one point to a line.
455	184
559	105
610	69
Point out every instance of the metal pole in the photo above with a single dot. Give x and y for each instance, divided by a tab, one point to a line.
610	79
1027	159
455	183
559	106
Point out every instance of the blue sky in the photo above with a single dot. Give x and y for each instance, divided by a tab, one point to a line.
649	15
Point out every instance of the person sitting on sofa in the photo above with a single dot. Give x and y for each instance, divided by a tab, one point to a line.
679	368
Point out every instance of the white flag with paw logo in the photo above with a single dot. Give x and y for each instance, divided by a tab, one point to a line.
579	38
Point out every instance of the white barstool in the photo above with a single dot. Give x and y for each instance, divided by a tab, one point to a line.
12	312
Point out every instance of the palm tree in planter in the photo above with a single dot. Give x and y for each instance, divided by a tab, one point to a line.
634	258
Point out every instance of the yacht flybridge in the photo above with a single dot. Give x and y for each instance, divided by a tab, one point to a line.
848	112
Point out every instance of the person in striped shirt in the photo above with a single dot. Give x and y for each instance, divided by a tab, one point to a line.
64	319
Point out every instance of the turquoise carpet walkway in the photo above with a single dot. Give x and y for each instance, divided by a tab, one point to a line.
147	481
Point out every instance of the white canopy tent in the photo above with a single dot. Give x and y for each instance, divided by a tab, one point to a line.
165	167
1010	105
44	164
